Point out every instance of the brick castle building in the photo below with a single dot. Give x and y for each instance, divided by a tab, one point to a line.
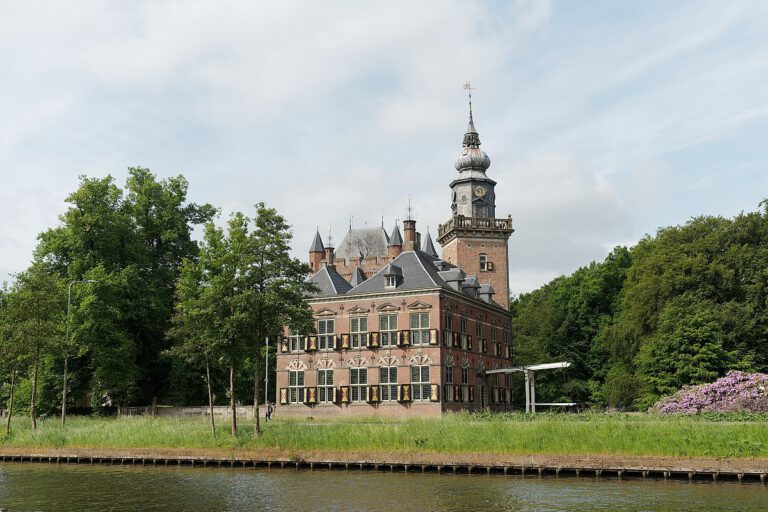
401	330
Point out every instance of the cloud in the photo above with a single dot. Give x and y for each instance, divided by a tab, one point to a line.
603	122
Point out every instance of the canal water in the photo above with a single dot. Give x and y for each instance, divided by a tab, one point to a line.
33	487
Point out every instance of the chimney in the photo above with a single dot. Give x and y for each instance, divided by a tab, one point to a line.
409	228
329	256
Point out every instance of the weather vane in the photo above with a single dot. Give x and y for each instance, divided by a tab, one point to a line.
468	87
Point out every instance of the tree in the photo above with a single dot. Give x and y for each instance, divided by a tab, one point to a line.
137	237
243	287
36	310
10	351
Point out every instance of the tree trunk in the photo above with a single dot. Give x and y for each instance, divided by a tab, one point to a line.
256	377
210	394
10	403
64	393
33	397
232	397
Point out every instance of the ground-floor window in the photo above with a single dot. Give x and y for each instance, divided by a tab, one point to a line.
295	385
388	382
358	382
325	386
449	396
420	382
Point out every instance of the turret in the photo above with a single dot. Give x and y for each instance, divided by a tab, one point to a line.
395	246
316	253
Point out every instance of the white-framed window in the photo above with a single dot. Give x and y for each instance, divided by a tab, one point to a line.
388	383
465	384
358	331
483	262
358	383
325	386
295	384
388	329
419	328
420	383
463	324
294	343
448	321
494	333
325	334
390	281
478	328
449	396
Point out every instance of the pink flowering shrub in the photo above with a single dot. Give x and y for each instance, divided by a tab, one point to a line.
736	392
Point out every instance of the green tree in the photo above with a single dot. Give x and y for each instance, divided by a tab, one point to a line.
36	310
137	238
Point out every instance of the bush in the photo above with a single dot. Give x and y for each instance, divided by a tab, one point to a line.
737	392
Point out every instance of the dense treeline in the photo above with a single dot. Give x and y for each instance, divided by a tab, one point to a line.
147	301
681	307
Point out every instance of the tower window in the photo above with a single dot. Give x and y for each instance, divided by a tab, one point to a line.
483	262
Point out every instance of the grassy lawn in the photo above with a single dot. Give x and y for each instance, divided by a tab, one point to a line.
514	434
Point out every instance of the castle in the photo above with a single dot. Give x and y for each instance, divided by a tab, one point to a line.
401	330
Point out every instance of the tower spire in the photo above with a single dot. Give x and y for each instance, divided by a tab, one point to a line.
471	138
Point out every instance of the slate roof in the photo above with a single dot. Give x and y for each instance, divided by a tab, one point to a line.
418	271
429	247
363	241
396	239
317	244
358	276
330	282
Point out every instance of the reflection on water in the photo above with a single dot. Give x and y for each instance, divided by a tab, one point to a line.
27	487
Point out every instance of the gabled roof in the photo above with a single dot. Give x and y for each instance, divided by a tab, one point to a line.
317	244
371	242
396	239
417	270
329	282
429	247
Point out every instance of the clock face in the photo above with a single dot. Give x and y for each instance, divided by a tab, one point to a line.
479	191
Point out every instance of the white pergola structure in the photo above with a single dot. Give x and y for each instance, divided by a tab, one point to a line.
530	382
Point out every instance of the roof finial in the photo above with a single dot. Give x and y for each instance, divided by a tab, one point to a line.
471	139
330	236
350	221
410	210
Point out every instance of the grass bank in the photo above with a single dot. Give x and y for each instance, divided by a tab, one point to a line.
512	434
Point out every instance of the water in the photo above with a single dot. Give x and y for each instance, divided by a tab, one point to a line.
28	487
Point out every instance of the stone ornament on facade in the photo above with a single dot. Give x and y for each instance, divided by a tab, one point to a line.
388	360
325	363
420	359
357	361
296	365
464	362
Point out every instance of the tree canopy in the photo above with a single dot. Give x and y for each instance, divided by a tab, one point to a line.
682	307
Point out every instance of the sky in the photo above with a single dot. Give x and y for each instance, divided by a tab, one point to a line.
603	120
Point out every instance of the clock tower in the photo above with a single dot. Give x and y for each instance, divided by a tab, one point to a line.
474	238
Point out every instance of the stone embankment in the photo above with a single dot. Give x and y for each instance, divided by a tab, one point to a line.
736	469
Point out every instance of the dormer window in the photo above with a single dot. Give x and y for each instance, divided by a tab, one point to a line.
391	282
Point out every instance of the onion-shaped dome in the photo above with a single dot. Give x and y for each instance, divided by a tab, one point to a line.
471	156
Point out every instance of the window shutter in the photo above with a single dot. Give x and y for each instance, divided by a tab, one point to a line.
303	342
404	393
471	393
283	396
434	392
372	340
484	345
399	338
283	345
406	338
345	341
433	337
344	394
312	344
489	266
373	394
335	395
456	393
312	395
469	342
445	337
